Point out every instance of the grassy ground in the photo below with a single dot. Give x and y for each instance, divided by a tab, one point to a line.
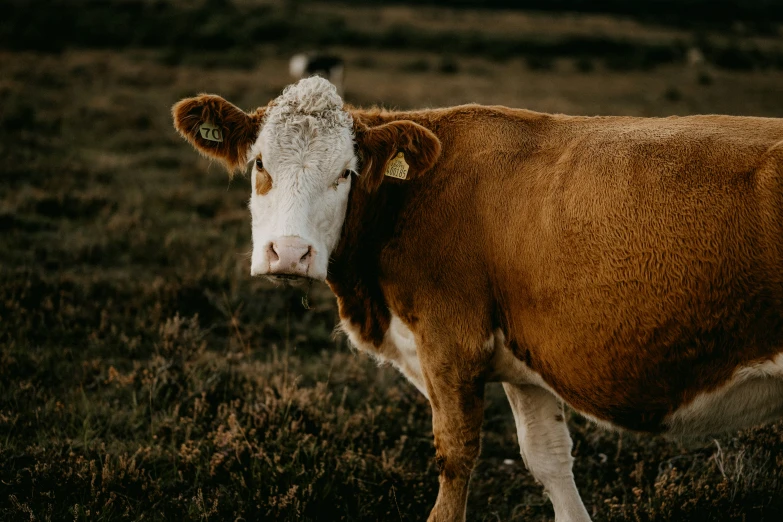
145	376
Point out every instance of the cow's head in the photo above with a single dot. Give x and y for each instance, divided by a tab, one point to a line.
306	151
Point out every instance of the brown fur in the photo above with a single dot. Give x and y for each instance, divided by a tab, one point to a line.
379	144
239	128
626	259
632	262
263	182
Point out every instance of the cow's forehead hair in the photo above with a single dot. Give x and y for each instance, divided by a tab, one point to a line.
307	110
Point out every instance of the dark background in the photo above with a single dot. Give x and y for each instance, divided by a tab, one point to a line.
145	376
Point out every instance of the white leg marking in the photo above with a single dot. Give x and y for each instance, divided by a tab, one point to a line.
545	445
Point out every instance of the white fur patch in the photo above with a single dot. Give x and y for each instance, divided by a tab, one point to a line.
310	97
407	360
753	396
399	345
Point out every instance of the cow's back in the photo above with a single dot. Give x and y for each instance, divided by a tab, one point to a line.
637	262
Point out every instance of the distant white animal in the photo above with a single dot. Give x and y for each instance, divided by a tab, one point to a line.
695	57
327	66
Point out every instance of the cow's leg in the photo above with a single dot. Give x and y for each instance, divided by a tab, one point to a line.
457	399
545	445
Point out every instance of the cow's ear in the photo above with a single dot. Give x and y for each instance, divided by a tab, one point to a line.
218	129
381	149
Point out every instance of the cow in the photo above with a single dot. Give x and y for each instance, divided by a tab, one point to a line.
631	268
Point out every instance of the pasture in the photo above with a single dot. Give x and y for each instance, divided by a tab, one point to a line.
145	376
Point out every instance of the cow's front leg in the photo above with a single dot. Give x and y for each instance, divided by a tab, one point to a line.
456	393
545	445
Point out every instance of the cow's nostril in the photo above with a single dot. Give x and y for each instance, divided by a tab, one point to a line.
272	253
306	255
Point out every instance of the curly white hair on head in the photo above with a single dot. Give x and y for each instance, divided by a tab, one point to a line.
314	96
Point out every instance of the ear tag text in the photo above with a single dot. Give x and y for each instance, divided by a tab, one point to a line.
210	132
398	168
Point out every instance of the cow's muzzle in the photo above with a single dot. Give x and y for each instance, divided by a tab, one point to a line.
289	257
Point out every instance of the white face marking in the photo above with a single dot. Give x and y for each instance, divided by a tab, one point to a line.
306	145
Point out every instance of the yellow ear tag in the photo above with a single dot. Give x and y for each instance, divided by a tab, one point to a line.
210	132
398	168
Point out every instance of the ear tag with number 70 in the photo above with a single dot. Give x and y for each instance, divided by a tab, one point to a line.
398	168
210	132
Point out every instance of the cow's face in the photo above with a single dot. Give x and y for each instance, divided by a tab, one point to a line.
303	148
303	162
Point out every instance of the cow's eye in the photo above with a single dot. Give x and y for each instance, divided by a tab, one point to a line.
259	164
343	177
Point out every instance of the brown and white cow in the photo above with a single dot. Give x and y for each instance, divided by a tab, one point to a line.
630	267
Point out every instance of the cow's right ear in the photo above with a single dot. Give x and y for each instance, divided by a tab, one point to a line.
399	149
218	129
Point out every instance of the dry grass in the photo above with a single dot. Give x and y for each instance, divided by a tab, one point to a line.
144	375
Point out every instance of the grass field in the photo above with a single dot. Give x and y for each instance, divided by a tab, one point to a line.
145	376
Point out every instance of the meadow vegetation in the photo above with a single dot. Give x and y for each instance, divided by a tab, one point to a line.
145	376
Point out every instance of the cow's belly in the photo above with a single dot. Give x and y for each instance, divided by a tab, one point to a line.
753	395
669	402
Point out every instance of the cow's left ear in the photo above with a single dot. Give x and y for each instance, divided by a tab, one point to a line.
382	147
218	129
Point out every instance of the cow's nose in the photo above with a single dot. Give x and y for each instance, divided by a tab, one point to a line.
289	255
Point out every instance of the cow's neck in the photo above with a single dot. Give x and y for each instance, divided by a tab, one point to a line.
355	273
